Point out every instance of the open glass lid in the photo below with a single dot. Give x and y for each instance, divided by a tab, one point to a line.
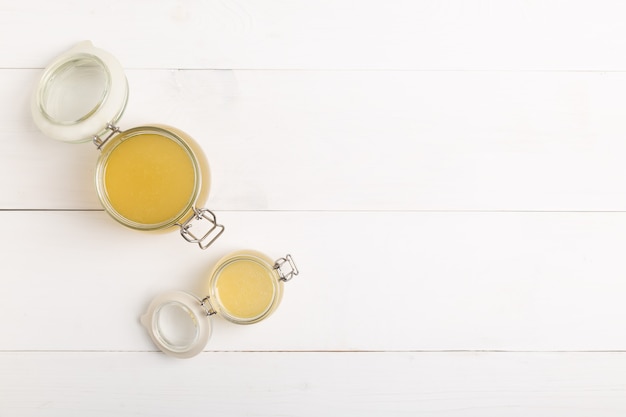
80	94
148	177
244	287
178	324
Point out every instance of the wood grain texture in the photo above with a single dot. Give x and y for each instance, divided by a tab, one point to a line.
350	140
370	281
305	384
329	34
448	175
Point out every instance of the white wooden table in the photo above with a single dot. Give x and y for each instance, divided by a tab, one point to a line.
449	177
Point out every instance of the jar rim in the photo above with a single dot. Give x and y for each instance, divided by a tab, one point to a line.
53	78
190	305
59	106
166	332
109	149
245	256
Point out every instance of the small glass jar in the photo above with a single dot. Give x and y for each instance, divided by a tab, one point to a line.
244	287
151	177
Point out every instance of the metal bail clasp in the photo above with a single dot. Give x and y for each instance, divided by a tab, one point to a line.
206	305
280	264
99	142
201	214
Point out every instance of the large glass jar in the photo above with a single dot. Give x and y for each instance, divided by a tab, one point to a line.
151	177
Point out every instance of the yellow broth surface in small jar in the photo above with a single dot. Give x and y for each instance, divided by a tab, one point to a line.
149	179
245	289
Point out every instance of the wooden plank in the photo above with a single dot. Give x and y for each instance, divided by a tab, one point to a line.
309	384
333	140
337	34
448	176
370	281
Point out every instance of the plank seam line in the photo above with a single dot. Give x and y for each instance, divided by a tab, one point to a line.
333	211
449	351
421	70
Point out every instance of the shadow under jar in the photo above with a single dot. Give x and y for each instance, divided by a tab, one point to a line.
244	287
151	177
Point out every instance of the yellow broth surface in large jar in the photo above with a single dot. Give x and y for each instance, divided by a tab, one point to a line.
149	179
245	289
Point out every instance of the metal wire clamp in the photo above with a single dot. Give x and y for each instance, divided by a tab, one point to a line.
99	142
202	214
280	267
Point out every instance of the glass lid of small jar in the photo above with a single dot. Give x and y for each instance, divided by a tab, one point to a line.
244	287
80	97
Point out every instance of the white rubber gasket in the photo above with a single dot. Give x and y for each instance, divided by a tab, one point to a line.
109	110
197	314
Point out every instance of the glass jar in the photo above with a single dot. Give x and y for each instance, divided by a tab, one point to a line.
244	287
151	177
